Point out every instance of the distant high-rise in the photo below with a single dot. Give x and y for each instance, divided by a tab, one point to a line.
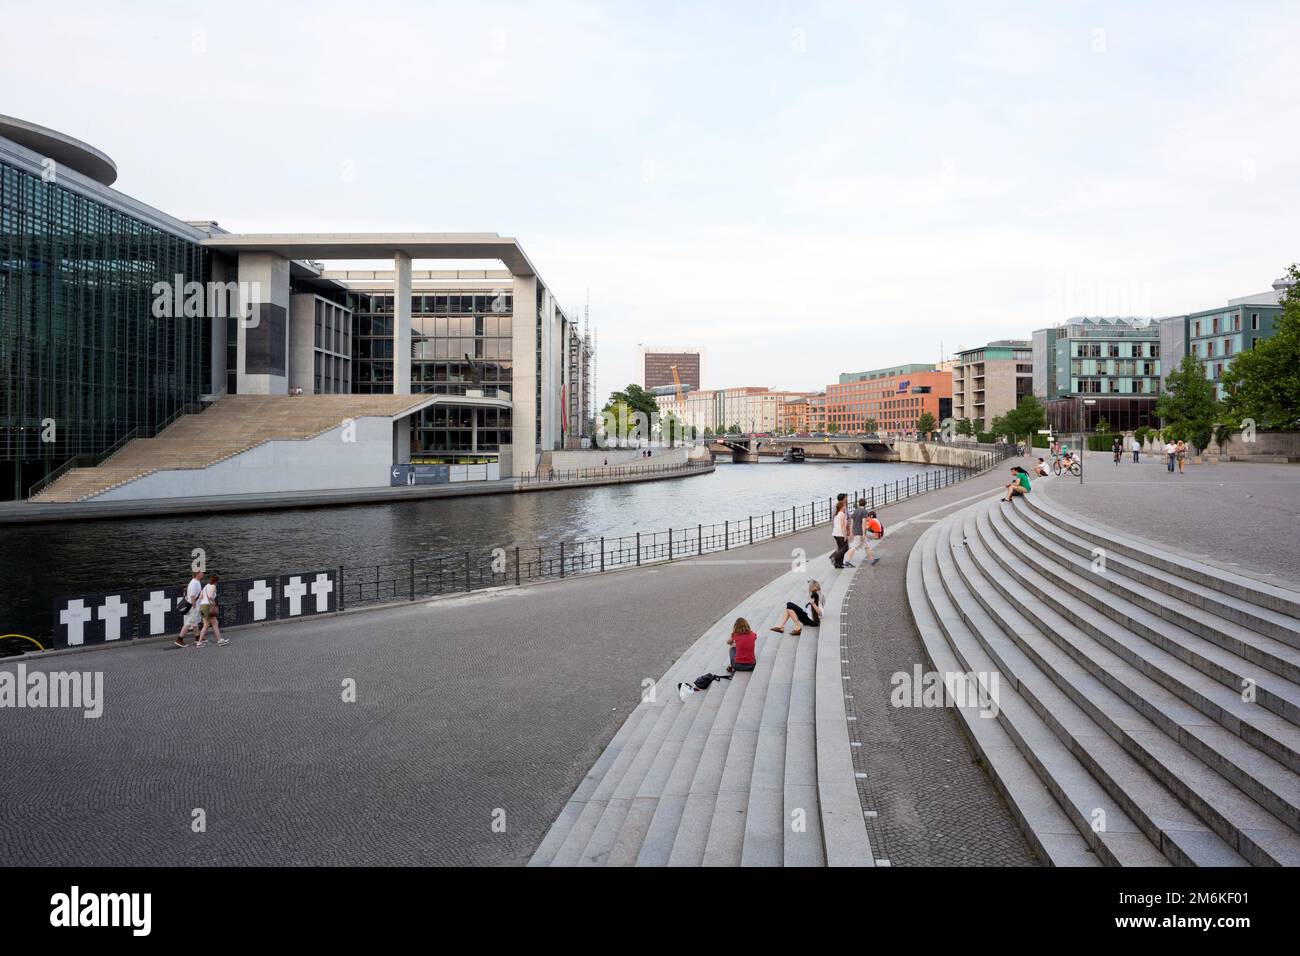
657	367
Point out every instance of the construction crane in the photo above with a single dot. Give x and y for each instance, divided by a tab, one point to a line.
677	382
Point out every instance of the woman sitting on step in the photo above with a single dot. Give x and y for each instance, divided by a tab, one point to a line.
1019	483
793	612
741	642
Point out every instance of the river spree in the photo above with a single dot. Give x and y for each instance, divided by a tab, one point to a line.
39	563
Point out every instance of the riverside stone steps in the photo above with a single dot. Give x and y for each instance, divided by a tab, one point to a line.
1109	673
730	776
231	425
1066	774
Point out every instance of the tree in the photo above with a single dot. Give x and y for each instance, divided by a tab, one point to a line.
708	432
733	428
871	425
635	398
1188	407
832	428
1103	426
1263	383
965	427
1023	420
978	425
925	424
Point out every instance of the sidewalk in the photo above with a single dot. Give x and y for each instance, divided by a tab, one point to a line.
1237	514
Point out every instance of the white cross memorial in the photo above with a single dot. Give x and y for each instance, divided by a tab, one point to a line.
76	615
111	613
322	587
156	609
295	590
258	595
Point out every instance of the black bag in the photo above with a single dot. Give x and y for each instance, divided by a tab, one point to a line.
704	680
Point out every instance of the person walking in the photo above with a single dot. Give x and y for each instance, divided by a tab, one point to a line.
1171	452
856	517
208	611
1116	450
1180	453
840	531
193	591
1137	449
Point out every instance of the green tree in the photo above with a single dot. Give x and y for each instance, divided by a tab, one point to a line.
1188	407
1023	421
1263	383
832	428
926	424
965	427
977	426
635	398
870	425
1103	426
708	432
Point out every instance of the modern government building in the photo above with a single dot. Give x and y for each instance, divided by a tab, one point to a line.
116	318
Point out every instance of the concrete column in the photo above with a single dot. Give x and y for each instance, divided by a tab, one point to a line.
523	392
264	336
217	330
401	324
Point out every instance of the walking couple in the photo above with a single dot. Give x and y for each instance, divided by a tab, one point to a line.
854	531
200	604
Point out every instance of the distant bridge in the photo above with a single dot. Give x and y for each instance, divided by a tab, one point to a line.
751	448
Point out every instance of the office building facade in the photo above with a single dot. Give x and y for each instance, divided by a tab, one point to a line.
1094	368
990	381
1215	336
656	365
888	401
90	361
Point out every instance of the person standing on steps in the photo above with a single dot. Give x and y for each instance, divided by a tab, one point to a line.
840	531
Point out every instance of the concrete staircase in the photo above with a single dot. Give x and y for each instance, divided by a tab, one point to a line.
1148	704
233	424
755	771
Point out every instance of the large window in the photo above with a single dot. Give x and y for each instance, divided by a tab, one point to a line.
80	348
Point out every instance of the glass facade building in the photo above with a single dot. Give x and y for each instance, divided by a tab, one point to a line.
459	342
84	360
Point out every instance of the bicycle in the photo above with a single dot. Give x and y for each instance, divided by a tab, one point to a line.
1076	467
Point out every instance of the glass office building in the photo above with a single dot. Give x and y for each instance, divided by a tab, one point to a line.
84	361
1093	369
460	341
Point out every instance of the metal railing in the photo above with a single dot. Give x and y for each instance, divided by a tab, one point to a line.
466	571
613	471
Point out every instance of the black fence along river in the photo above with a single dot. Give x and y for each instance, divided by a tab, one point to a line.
378	544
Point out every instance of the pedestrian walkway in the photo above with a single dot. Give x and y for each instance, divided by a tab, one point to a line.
1147	704
1241	515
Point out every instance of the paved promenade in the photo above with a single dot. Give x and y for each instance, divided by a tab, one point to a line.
467	706
1236	514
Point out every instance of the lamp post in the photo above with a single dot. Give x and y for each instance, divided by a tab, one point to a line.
1082	445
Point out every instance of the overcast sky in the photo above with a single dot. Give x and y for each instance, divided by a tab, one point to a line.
801	188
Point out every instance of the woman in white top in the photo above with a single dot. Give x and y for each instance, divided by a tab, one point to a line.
208	611
840	531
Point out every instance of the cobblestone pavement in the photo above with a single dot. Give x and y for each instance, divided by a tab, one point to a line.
468	712
935	804
1234	514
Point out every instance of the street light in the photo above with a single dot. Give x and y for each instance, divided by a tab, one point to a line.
1082	446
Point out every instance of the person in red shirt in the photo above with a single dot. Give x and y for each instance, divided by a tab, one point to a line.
741	643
